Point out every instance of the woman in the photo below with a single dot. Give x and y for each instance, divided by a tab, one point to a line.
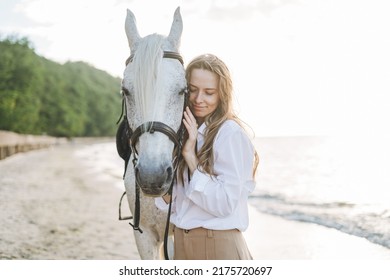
216	172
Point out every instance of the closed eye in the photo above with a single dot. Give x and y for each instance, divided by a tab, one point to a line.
192	89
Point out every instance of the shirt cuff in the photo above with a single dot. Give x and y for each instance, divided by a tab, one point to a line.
198	182
161	204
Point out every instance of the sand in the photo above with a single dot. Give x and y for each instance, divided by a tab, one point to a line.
54	207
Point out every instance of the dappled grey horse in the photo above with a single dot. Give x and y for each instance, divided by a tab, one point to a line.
150	135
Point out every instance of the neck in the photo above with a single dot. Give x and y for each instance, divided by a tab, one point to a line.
199	121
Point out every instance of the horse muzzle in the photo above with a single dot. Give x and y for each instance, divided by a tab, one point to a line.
154	181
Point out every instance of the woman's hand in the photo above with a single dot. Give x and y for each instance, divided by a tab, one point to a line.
189	152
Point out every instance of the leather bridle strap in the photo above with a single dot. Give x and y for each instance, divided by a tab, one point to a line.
152	127
166	232
148	127
173	55
167	54
137	214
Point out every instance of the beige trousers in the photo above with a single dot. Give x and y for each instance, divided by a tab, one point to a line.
207	244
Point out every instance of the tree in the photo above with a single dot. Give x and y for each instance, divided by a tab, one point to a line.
38	95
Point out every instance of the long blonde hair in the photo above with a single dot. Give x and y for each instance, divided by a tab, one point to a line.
223	112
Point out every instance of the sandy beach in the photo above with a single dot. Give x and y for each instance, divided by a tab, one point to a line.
53	206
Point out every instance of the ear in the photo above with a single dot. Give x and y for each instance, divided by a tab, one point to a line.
131	29
176	29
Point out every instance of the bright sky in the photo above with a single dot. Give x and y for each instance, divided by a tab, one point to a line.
300	66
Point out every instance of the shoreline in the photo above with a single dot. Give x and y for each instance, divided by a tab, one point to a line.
274	238
59	206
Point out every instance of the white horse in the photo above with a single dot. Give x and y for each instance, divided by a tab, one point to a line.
153	85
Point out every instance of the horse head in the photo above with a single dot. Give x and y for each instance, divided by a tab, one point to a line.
153	85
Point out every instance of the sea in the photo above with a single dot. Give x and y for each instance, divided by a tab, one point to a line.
336	182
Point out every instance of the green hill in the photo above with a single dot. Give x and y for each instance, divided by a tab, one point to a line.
40	96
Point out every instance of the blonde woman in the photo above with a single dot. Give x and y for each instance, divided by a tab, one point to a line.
216	174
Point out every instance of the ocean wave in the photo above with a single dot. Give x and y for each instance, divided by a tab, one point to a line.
367	221
282	199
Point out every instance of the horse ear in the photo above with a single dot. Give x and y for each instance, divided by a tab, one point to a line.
131	29
176	28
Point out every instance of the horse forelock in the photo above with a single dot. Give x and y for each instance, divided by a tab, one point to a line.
147	67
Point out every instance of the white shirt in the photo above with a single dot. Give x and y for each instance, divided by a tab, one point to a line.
217	202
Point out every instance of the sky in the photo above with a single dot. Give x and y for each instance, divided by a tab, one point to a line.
300	67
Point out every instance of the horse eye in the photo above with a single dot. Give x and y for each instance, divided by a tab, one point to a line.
184	91
125	91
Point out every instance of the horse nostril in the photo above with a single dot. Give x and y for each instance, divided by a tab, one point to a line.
169	173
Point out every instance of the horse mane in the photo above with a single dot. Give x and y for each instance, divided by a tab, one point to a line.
147	66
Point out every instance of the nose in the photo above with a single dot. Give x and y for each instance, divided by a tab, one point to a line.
198	97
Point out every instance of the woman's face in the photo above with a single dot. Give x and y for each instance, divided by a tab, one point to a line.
204	96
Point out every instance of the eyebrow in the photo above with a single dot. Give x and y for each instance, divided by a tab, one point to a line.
191	85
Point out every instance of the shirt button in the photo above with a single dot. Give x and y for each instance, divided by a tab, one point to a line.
186	230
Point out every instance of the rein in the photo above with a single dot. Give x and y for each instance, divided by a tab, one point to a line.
127	140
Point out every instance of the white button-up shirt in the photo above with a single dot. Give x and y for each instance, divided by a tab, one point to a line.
217	202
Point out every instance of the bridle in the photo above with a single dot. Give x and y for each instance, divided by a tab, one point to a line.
167	54
127	139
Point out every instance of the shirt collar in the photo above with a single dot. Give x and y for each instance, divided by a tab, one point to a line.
202	128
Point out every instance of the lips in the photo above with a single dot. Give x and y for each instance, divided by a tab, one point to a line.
198	108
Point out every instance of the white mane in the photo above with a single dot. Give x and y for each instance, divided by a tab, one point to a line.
147	63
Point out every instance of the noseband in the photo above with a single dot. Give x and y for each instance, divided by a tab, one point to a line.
153	127
127	139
